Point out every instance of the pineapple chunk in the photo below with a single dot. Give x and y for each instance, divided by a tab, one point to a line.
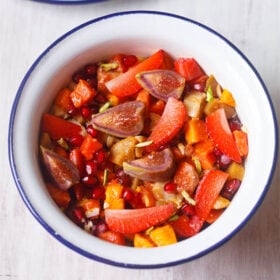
195	102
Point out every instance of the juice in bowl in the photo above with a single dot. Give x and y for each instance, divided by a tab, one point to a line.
142	141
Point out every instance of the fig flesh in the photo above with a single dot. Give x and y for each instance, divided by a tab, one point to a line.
154	167
162	84
123	120
63	172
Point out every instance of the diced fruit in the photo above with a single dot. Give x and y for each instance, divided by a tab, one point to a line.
240	138
63	99
170	123
126	83
163	235
186	177
114	196
227	98
214	215
82	94
90	206
221	203
113	237
59	128
195	102
188	68
136	220
236	171
162	84
219	131
156	166
195	131
122	120
230	188
207	192
64	173
61	197
90	146
123	150
142	241
203	151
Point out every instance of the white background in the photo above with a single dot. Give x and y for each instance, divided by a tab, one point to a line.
27	251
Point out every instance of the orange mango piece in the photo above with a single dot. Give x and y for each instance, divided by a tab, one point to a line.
114	196
142	241
195	131
90	146
163	235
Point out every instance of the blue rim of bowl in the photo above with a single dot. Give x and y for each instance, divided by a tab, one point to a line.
69	2
66	242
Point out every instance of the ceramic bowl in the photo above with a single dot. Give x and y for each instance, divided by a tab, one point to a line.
142	33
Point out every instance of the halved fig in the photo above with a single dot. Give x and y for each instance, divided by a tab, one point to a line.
123	120
154	167
63	172
162	84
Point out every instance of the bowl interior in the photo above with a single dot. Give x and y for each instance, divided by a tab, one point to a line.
117	34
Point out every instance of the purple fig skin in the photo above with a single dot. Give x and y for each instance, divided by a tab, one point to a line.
162	84
123	120
154	167
63	172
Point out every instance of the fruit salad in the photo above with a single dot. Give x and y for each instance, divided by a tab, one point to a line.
143	151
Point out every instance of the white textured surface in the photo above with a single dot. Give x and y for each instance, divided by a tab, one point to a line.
27	251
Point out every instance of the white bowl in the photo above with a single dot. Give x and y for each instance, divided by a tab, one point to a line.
142	32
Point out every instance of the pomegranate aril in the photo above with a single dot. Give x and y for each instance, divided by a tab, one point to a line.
170	187
129	60
101	227
100	98
123	178
91	167
224	161
100	156
234	124
91	131
78	76
76	141
128	194
188	209
98	193
72	111
91	69
92	81
79	214
89	180
86	112
230	188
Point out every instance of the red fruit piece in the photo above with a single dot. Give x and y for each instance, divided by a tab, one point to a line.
126	84
136	220
170	123
59	128
113	237
219	130
207	192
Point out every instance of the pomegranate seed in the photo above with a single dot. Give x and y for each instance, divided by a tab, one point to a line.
234	124
129	60
188	209
230	188
198	87
76	141
72	111
100	98
217	152
224	161
101	227
98	193
91	131
91	167
86	112
123	178
100	156
89	180
79	214
128	194
91	69
79	75
170	187
92	81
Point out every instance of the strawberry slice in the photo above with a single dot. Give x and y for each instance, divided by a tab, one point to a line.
170	123
219	130
126	83
207	192
136	220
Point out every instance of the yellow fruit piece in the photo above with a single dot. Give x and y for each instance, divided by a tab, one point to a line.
142	241
114	100
113	196
163	235
236	171
227	98
221	203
